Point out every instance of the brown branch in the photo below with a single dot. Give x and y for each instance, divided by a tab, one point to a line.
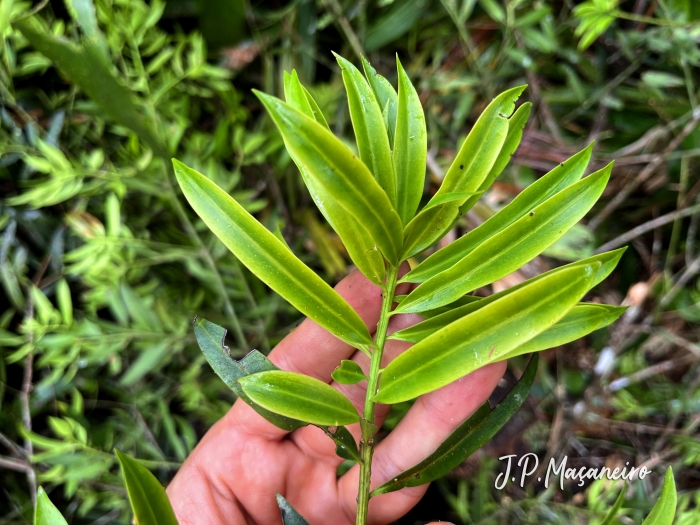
644	175
648	226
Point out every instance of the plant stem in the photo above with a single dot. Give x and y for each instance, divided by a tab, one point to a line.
368	427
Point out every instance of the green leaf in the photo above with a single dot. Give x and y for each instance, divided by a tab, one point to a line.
400	18
484	336
83	12
538	192
357	240
385	95
468	304
481	148
45	512
339	172
210	338
609	518
429	226
269	259
148	499
410	148
368	123
290	516
300	397
147	361
581	320
88	67
317	113
516	125
348	373
469	437
664	510
512	247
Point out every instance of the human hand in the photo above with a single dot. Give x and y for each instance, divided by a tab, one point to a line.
234	472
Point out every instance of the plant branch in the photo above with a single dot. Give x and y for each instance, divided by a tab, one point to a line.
368	427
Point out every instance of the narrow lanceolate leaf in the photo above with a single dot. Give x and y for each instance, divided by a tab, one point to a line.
470	168
484	336
148	499
368	123
210	338
300	397
88	68
290	516
581	320
609	518
430	225
317	113
410	148
270	259
339	172
468	304
45	513
480	149
559	178
664	510
355	237
516	125
386	96
512	247
469	437
348	373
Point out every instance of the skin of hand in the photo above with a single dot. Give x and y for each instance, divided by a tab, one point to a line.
234	472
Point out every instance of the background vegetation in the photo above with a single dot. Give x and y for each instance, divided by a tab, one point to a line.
103	267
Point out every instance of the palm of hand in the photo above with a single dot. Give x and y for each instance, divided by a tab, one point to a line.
233	474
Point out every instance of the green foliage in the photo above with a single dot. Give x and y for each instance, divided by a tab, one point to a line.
101	267
147	496
664	509
45	512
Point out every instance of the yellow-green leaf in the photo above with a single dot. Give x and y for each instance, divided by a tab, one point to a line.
45	512
368	123
300	397
410	148
664	510
343	177
148	499
505	252
538	192
484	336
269	259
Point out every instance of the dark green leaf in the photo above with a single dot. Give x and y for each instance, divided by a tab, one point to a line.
270	259
664	510
355	237
148	499
348	373
484	336
290	516
410	148
546	187
468	304
368	124
512	247
300	397
344	177
45	512
469	437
